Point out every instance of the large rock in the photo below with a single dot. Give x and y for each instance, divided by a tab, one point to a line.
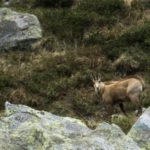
18	30
140	132
24	128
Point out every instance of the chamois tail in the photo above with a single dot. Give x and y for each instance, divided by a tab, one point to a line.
141	80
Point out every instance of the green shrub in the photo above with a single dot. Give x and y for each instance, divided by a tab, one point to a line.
51	94
53	20
93	38
126	64
65	24
124	122
32	86
76	24
63	70
79	80
0	2
43	3
82	103
55	3
140	4
137	35
103	7
6	81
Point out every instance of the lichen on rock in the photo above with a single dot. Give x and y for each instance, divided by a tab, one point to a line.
25	128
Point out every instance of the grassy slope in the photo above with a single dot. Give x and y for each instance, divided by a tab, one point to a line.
78	41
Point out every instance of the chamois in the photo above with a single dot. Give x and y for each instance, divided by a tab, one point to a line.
120	91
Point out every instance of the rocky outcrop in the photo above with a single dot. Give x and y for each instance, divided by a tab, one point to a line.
18	30
140	132
23	128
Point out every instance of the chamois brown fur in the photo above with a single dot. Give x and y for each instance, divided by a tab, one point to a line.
120	91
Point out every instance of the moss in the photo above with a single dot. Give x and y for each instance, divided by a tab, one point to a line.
124	122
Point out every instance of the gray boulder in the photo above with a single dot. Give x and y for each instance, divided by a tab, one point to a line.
140	132
18	30
23	128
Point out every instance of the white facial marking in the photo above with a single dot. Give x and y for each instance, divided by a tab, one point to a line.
96	86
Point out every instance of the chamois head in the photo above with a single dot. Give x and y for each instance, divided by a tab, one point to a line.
97	84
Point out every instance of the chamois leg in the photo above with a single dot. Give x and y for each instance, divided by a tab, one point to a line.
139	107
136	101
122	109
110	109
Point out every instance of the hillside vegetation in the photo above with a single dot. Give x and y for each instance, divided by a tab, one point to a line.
80	38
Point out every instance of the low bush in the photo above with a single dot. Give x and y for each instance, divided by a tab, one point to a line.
64	24
6	81
82	103
43	3
137	36
102	7
54	3
124	122
141	4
